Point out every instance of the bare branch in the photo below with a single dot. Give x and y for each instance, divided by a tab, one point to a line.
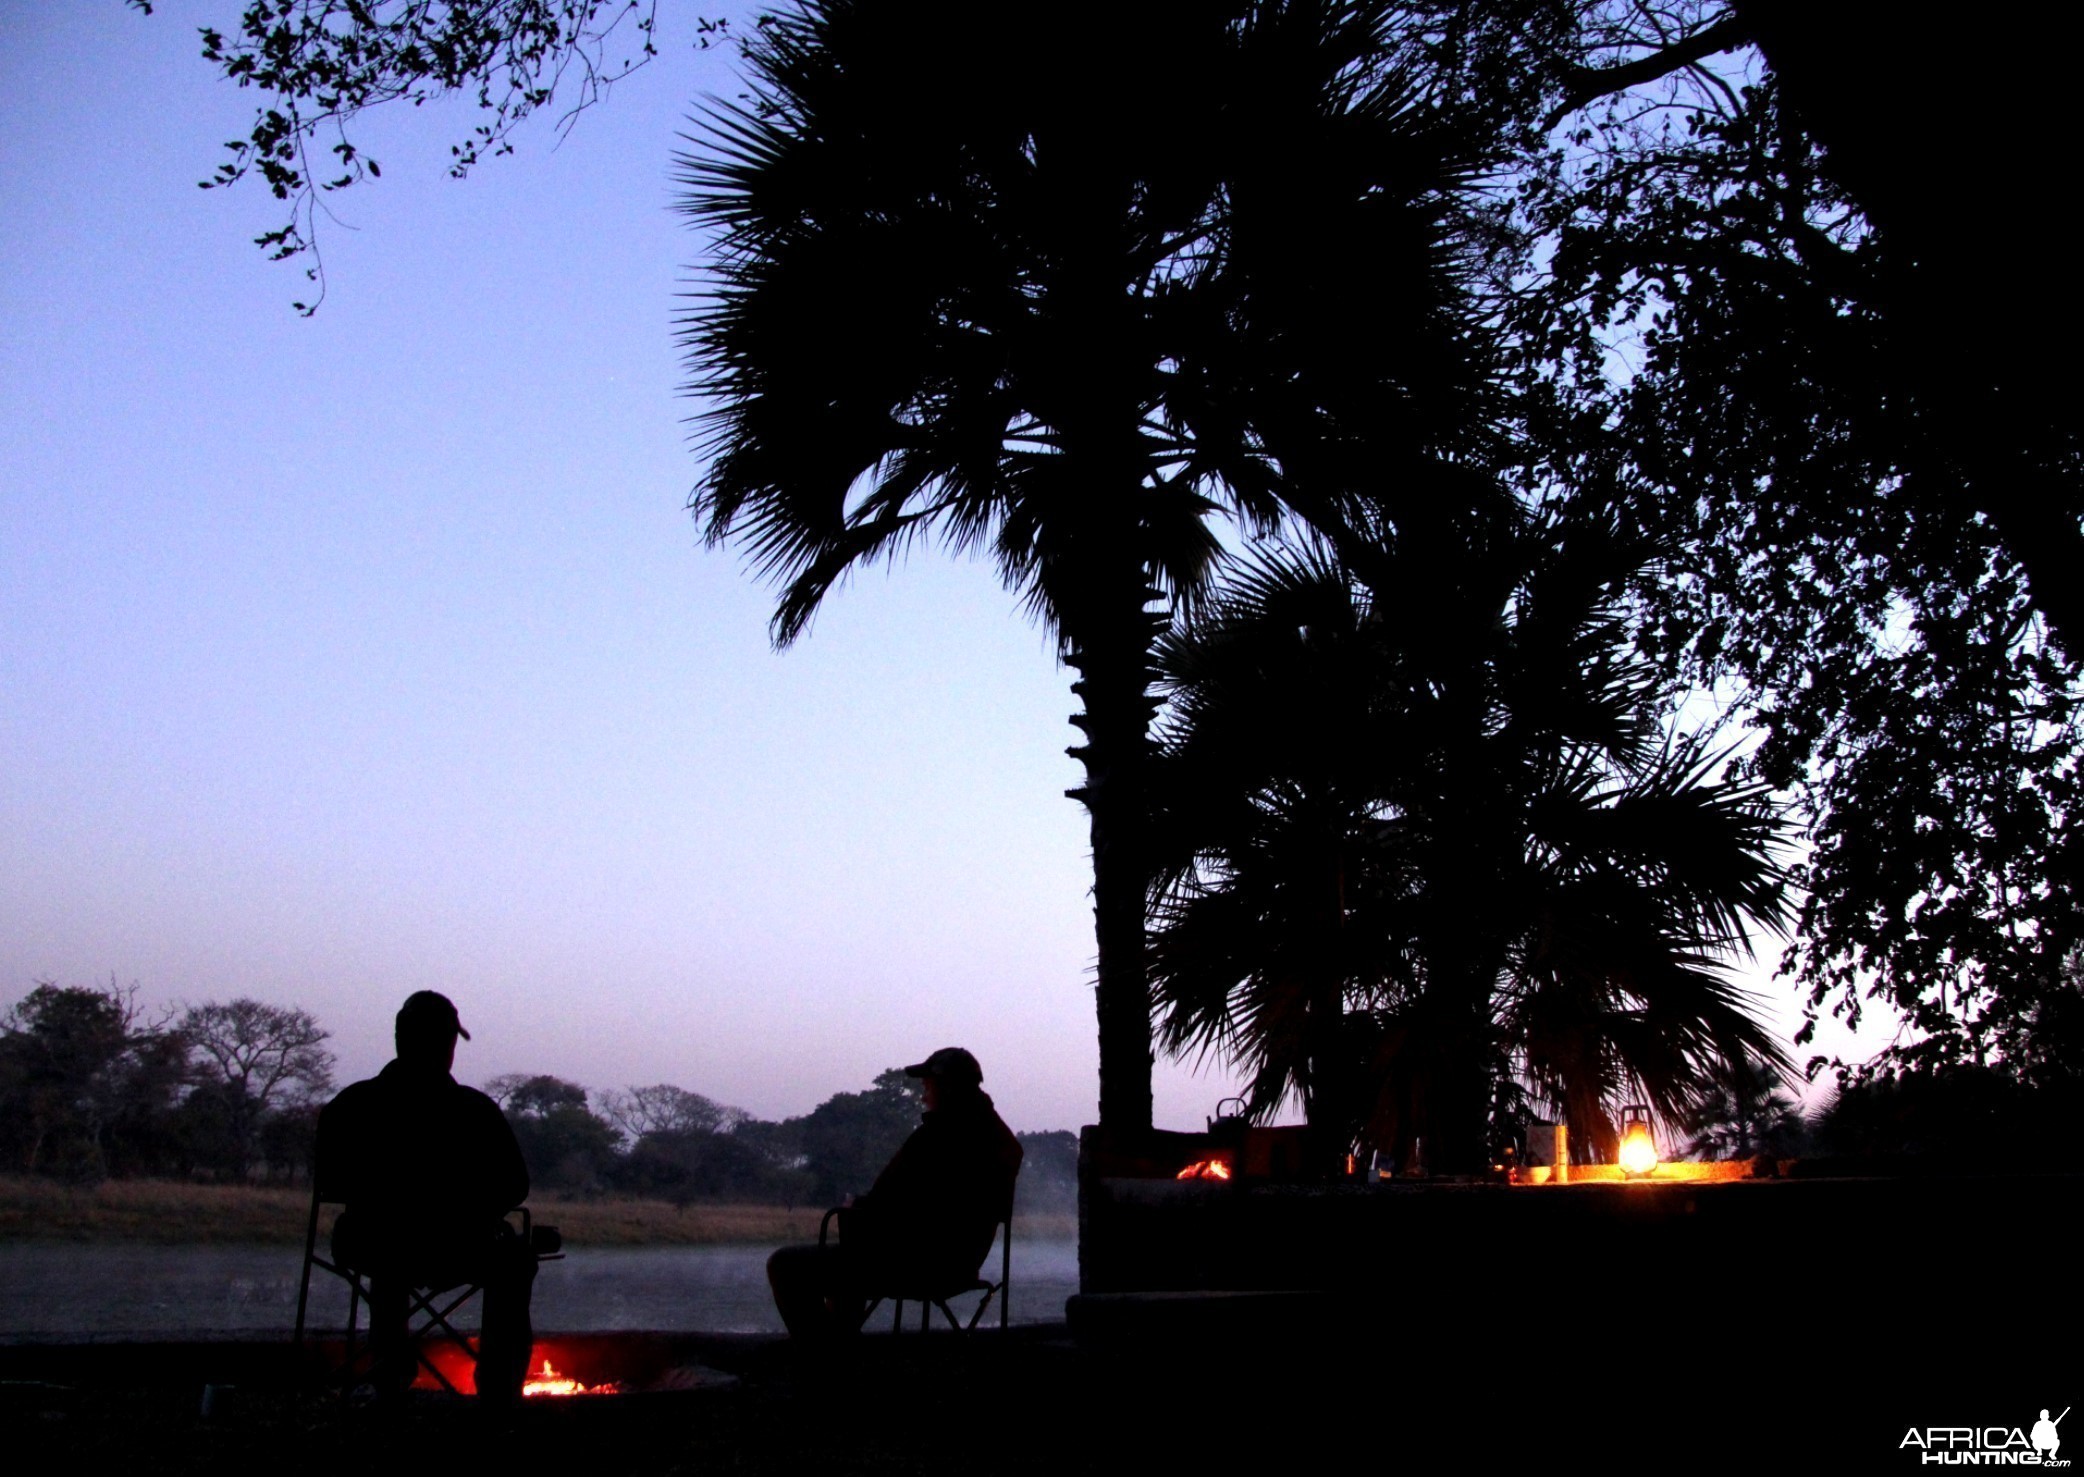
1583	84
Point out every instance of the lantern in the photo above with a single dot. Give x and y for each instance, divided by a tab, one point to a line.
1638	1151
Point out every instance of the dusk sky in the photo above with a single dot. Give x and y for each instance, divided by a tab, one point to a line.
375	652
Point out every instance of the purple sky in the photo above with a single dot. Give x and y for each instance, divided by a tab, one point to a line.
347	657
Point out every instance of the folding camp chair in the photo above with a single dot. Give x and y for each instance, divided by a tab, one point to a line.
429	1310
936	1292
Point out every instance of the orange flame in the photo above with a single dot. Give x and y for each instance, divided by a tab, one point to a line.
1205	1169
550	1382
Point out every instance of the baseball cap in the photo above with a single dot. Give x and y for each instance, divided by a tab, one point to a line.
950	1063
426	1011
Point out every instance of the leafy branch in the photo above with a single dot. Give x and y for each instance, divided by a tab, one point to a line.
322	63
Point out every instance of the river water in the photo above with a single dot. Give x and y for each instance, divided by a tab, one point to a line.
61	1290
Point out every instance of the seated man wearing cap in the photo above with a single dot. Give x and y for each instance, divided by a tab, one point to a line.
428	1169
929	1218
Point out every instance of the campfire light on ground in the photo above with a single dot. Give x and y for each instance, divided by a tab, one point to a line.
549	1382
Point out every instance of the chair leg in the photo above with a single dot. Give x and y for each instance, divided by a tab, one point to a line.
354	1315
435	1313
304	1287
420	1353
438	1318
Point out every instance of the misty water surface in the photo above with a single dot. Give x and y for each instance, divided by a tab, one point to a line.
56	1289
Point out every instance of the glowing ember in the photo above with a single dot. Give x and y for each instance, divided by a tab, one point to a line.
550	1382
1205	1169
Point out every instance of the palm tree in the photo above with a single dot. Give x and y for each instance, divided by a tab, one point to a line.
1265	810
1419	836
1745	1113
1067	303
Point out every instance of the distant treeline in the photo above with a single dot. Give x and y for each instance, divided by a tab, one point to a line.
667	1142
92	1087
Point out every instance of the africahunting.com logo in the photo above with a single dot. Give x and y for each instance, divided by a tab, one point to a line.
1989	1446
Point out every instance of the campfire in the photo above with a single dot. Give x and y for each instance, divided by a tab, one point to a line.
548	1381
1205	1169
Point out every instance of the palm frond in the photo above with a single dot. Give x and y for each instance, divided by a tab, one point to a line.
1458	741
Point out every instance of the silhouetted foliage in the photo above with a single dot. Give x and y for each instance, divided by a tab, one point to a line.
684	1147
288	1140
249	1062
1427	840
1954	1118
1048	1171
82	1076
780	1147
534	1094
211	1126
847	1139
566	1145
89	1087
690	1166
320	63
1747	1113
1924	1107
142	1135
1231	289
1733	297
1869	486
664	1108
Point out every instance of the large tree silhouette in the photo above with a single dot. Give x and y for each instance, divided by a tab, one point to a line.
1066	305
1867	477
256	1060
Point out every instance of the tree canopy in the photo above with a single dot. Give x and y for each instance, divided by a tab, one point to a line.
1429	840
1869	494
91	1085
949	298
321	63
252	1061
1745	280
86	1081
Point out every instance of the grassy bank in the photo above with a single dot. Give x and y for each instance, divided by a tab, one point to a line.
171	1213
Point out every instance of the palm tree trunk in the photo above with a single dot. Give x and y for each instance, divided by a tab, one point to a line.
1461	1120
1327	1103
1463	959
1099	588
1111	649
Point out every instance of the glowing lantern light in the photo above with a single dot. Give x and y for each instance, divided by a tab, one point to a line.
1638	1151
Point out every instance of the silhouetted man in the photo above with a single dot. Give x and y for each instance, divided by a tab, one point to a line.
2046	1439
928	1219
428	1169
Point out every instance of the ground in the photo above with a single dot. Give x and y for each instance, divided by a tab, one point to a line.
1031	1401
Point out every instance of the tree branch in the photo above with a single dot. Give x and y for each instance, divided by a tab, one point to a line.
1583	84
